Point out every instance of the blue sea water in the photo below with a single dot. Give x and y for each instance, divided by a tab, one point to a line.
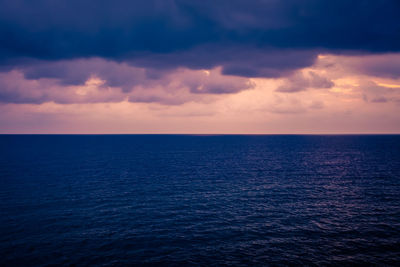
199	200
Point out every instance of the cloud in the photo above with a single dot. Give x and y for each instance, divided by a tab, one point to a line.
317	104
380	99
15	89
98	80
177	51
77	72
212	82
300	82
386	65
287	105
374	93
160	100
261	38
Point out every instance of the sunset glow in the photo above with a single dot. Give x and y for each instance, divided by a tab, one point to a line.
195	83
331	96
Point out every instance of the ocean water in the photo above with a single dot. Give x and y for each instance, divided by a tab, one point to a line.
199	200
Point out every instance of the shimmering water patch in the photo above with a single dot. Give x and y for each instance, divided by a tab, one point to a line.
204	200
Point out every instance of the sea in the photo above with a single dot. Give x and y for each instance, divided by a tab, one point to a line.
199	200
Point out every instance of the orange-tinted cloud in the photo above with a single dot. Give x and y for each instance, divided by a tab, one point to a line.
336	96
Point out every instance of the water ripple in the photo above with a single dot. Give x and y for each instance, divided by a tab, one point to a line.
199	200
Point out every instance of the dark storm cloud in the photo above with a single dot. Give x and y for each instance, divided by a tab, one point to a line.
261	38
76	72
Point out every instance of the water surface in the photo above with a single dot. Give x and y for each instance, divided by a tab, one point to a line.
205	200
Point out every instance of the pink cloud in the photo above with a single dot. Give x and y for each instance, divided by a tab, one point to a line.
335	95
97	80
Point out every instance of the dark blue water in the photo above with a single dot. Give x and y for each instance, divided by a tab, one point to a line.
204	200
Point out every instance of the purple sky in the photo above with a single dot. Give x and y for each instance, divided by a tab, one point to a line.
199	66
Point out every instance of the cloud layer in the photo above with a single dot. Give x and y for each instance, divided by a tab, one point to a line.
230	64
97	80
262	38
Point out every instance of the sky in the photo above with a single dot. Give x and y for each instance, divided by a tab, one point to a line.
199	67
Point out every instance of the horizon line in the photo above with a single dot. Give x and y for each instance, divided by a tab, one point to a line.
201	134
